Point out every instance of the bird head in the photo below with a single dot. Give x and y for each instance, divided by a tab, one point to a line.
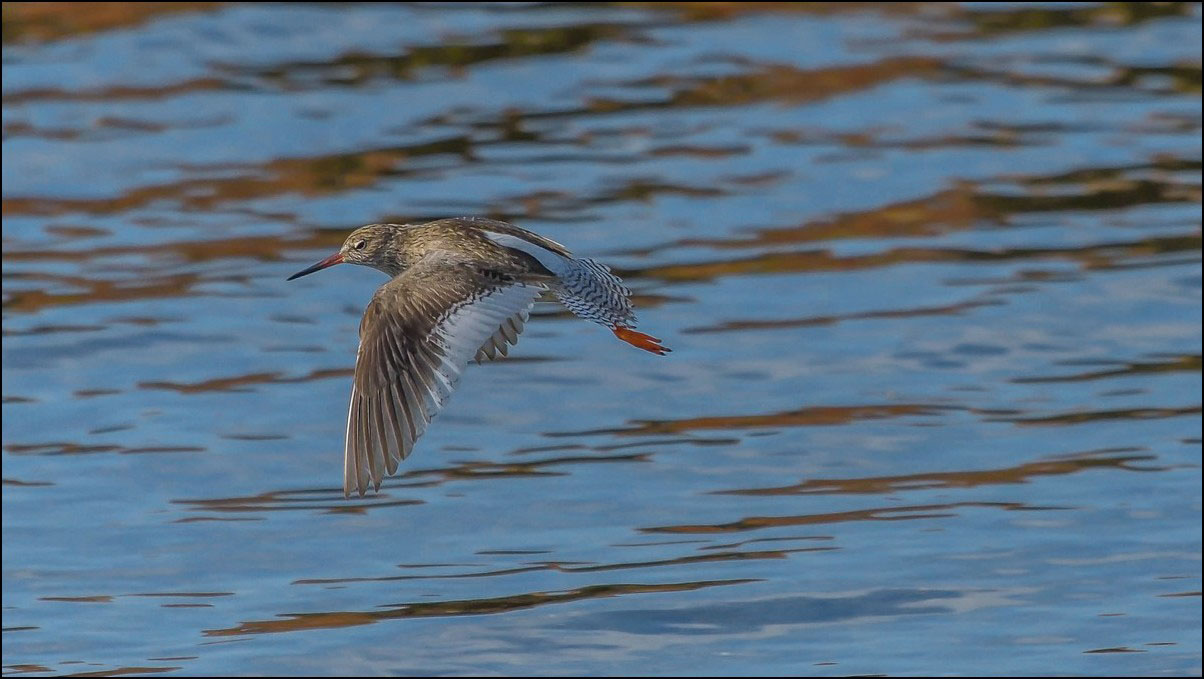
371	245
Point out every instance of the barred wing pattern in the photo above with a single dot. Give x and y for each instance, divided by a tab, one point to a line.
416	338
591	291
584	286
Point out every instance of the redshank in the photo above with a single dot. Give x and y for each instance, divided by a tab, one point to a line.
459	290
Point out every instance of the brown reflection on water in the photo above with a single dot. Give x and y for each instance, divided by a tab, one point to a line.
268	248
561	567
1183	363
1183	78
148	284
991	21
1100	255
97	599
488	470
1078	417
69	448
712	11
23	129
307	176
24	668
973	23
782	83
26	484
331	500
244	383
177	285
961	479
967	205
333	173
741	543
359	68
294	622
185	595
805	417
123	671
317	499
895	513
946	310
43	21
1063	465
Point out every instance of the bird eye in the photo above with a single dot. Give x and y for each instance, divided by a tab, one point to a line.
360	245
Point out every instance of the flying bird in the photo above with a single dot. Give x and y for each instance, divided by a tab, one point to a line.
459	289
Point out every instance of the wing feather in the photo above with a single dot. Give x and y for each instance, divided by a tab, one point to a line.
417	336
499	343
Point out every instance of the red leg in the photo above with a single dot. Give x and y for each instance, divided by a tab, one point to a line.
640	341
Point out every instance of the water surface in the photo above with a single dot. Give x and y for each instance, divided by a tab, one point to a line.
931	274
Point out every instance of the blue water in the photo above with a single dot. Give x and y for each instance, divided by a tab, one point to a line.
931	275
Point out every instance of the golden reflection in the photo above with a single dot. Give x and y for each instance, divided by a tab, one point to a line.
991	21
333	173
28	300
41	21
24	668
359	68
788	84
294	622
147	286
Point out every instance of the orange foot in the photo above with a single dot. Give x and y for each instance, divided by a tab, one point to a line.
640	341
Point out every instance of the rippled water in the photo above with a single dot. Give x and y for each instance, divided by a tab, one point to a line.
931	274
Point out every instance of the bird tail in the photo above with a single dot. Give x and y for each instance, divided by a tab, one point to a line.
591	291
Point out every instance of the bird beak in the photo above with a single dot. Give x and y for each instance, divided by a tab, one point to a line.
336	258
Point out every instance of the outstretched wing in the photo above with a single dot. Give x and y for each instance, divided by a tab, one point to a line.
416	338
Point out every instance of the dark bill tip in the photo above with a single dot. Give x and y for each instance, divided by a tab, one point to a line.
336	258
